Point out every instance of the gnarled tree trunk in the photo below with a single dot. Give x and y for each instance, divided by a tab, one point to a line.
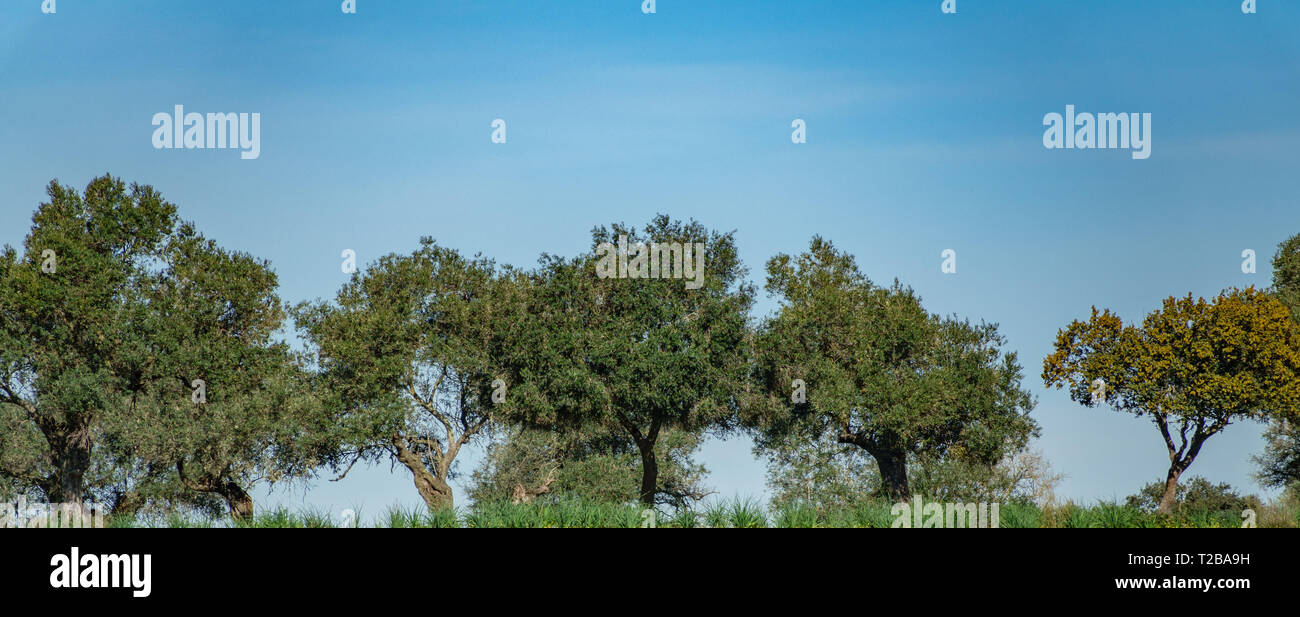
435	492
433	489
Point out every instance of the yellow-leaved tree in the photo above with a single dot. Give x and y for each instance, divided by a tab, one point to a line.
1193	367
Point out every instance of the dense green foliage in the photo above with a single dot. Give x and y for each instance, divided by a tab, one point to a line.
142	365
70	331
637	356
1280	462
1286	274
867	366
1195	495
405	359
137	360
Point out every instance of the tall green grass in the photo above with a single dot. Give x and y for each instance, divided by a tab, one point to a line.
736	513
559	513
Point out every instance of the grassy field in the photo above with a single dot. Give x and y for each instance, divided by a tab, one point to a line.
735	513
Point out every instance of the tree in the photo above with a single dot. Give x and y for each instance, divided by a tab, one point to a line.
1280	462
67	344
404	356
1195	495
591	464
220	401
1191	367
830	476
820	472
1286	274
638	356
1022	476
106	323
869	367
1279	465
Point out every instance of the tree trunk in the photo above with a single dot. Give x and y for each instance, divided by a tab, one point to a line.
1171	490
649	473
891	461
435	491
1180	461
240	502
71	453
893	474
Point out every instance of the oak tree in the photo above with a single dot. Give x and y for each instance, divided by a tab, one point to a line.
1279	464
403	354
221	403
869	367
108	318
638	356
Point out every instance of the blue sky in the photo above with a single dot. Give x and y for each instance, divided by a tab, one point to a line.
924	132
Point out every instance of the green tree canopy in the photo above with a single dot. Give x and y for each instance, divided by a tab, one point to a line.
404	354
1286	274
220	401
878	372
68	307
107	321
638	356
1279	465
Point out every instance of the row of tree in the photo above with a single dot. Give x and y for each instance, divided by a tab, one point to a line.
141	365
